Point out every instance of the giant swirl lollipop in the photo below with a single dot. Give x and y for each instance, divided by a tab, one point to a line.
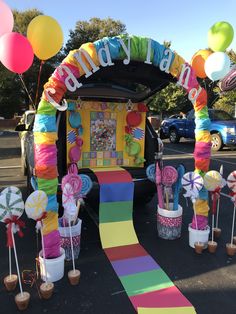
35	208
169	177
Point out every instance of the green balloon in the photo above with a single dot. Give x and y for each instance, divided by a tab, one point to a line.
220	36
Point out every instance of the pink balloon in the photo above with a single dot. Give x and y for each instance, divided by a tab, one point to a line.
6	19
16	53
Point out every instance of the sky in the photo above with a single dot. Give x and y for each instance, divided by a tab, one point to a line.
183	22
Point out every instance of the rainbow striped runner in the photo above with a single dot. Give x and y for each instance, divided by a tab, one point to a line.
148	287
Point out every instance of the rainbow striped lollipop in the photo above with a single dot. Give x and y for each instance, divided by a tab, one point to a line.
192	182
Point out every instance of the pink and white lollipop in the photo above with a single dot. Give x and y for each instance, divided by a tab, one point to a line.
169	176
75	182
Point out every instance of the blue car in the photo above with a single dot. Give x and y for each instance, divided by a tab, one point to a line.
223	128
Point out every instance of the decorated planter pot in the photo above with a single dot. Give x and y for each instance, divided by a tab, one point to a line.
65	239
201	236
54	267
169	222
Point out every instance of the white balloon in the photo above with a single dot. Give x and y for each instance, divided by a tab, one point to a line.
217	65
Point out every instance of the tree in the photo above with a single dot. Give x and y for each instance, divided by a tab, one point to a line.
92	30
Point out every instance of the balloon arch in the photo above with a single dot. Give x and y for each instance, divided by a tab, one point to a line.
85	61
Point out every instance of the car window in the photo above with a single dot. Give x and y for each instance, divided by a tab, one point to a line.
219	115
191	115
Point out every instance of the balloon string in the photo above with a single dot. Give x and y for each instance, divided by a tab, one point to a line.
39	76
23	84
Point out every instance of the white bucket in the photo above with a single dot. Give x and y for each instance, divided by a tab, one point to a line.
169	222
198	236
54	267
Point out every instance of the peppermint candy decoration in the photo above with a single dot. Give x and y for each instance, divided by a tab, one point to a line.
192	182
11	204
12	189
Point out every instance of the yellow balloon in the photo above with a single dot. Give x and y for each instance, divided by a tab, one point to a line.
45	35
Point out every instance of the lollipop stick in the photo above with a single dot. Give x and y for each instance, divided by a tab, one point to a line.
44	259
217	213
72	248
212	228
17	265
195	216
232	232
9	252
167	199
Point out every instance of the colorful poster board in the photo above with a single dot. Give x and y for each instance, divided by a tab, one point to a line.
102	133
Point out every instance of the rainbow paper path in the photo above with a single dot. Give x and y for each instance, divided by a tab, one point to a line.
148	287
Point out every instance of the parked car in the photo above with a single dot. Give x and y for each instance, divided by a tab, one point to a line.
222	129
121	90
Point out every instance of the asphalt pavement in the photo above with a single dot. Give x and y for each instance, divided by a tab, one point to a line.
207	280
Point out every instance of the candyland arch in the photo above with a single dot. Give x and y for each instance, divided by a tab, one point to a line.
85	61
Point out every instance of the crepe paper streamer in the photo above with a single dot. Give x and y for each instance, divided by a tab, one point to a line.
49	186
11	204
151	173
87	185
177	186
35	204
45	123
12	189
45	154
74	180
228	83
192	183
159	187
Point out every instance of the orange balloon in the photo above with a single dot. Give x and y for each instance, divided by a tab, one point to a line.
198	62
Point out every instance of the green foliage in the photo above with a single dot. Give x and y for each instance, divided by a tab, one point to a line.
92	30
22	19
171	99
227	102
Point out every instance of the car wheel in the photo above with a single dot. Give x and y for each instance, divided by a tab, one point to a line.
216	141
173	136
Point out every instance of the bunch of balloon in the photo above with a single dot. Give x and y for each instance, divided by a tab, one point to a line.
220	36
16	53
46	37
